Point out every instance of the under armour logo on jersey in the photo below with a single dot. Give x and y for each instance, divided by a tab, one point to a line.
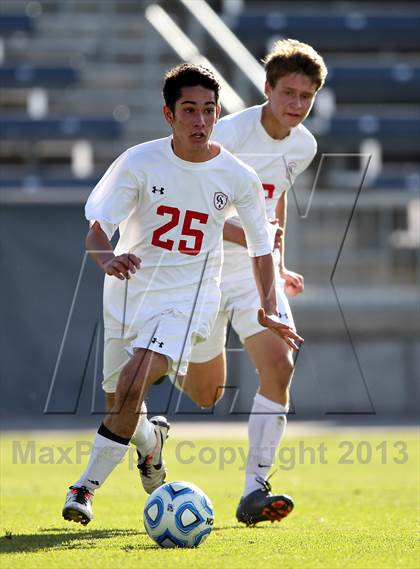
283	316
220	200
156	189
156	341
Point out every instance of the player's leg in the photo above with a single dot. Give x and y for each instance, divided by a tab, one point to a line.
116	356
149	439
144	437
148	436
177	332
205	379
111	442
141	371
204	382
267	421
273	360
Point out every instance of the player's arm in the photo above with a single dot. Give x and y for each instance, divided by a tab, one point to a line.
100	249
251	209
234	233
263	268
294	283
281	214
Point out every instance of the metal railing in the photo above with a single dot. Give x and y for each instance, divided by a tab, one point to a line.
227	40
188	51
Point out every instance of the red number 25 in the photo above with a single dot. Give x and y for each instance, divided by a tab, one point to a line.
187	230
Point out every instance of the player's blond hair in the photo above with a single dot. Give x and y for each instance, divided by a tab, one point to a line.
293	56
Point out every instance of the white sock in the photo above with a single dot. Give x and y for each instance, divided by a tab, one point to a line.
105	455
144	436
266	426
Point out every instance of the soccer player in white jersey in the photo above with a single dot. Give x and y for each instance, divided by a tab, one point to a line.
270	138
169	199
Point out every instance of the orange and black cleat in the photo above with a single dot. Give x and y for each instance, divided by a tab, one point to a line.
261	506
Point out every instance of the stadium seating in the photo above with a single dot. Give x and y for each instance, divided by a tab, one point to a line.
26	75
398	136
64	128
32	126
42	180
375	84
409	182
11	23
353	31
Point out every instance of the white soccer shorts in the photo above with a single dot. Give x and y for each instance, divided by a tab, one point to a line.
240	303
172	332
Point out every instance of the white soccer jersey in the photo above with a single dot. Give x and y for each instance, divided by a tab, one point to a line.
243	134
171	213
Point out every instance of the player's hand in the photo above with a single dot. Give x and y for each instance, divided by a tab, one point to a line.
122	266
294	283
272	322
278	236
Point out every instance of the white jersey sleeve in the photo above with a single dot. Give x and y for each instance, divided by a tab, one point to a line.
114	197
250	205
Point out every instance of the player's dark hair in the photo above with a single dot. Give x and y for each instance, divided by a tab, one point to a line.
188	75
293	56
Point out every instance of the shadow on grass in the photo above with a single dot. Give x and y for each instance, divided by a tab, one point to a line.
59	538
154	546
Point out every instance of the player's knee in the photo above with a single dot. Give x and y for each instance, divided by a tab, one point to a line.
209	398
286	364
281	369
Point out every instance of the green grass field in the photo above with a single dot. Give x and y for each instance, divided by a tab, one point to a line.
355	505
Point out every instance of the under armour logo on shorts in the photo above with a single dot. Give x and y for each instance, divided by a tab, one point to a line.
155	340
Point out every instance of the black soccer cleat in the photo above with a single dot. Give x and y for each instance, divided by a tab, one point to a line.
261	506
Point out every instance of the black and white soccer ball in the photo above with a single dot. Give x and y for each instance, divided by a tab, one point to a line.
178	514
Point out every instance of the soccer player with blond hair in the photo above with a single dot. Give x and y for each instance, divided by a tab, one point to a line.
271	138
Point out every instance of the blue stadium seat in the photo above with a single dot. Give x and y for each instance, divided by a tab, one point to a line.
354	31
368	84
11	23
26	75
398	136
64	128
397	181
37	181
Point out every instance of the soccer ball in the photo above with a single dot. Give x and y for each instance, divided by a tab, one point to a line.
178	514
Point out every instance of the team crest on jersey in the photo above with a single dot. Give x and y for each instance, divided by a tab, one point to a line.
291	166
220	200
